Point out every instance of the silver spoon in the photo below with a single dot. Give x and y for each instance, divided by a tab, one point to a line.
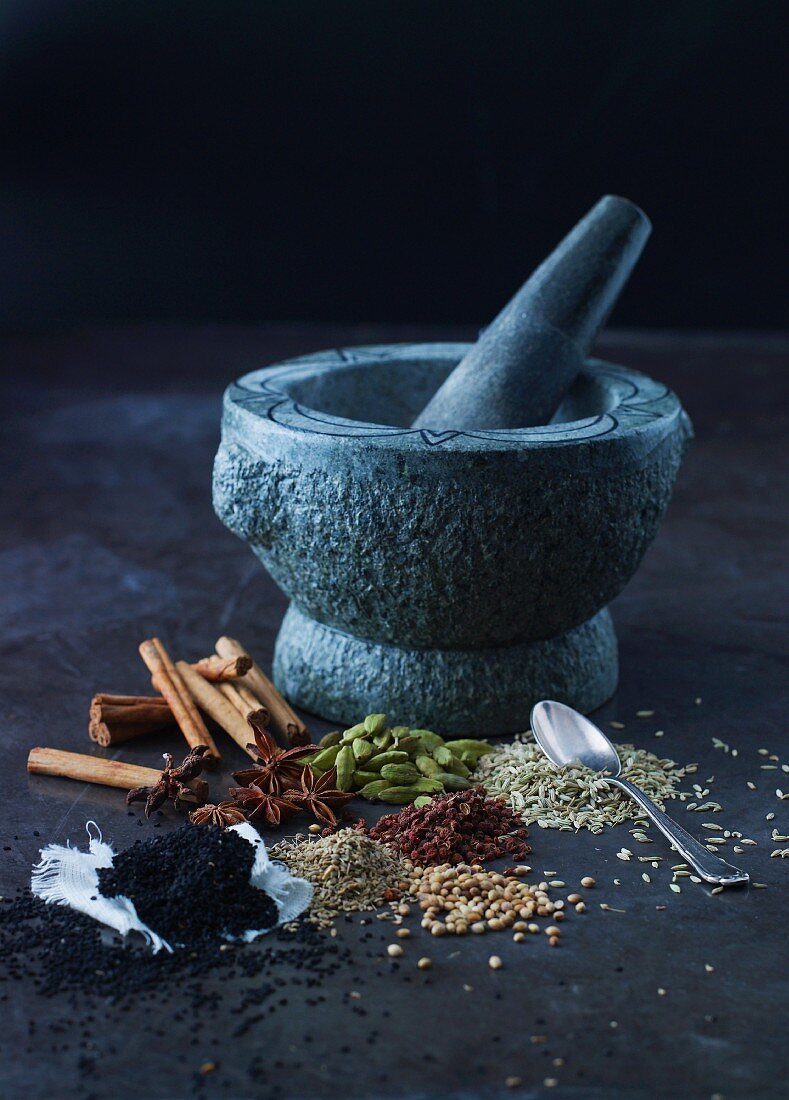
566	737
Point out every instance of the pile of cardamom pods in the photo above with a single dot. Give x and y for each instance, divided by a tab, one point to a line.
396	764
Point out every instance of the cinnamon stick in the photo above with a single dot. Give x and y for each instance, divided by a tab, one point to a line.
218	669
243	700
213	702
284	718
118	718
95	769
166	679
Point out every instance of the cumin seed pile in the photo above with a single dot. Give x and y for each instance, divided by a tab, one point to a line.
574	797
350	873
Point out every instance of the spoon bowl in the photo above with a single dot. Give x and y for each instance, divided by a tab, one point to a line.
567	737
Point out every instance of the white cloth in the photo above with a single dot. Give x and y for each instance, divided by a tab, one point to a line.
67	876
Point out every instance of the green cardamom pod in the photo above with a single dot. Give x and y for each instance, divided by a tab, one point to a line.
423	800
427	786
442	755
468	744
383	740
362	749
399	774
354	732
330	739
411	745
361	779
429	739
457	767
375	723
452	782
345	765
398	796
427	766
393	756
373	789
324	759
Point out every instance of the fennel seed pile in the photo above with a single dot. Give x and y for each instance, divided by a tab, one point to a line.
574	797
350	872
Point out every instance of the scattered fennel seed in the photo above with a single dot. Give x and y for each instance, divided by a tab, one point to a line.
646	877
751	786
770	816
673	886
748	841
716	890
763	752
617	725
645	714
780	853
695	878
759	885
775	835
708	968
658	733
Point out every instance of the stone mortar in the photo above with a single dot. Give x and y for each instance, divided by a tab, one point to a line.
449	579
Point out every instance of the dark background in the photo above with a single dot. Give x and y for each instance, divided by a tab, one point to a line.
239	162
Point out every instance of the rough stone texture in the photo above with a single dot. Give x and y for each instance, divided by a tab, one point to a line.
340	677
528	357
442	540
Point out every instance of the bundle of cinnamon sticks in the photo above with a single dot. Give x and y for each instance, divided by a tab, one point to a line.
227	686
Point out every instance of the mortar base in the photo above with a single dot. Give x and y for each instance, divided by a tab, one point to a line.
481	692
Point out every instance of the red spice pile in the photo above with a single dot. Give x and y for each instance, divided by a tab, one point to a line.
464	827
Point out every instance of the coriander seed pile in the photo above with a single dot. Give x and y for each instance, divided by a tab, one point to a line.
468	898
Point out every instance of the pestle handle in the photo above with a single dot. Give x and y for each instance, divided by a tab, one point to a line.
526	360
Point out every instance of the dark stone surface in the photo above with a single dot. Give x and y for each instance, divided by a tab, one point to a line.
108	535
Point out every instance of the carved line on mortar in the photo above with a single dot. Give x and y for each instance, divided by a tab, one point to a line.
277	406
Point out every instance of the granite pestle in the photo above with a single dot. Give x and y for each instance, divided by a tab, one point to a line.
525	361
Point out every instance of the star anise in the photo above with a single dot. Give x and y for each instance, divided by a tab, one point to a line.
226	813
278	769
272	808
319	796
173	782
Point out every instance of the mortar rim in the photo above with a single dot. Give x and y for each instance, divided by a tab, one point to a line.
644	409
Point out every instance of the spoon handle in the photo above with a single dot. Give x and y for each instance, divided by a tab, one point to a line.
711	867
